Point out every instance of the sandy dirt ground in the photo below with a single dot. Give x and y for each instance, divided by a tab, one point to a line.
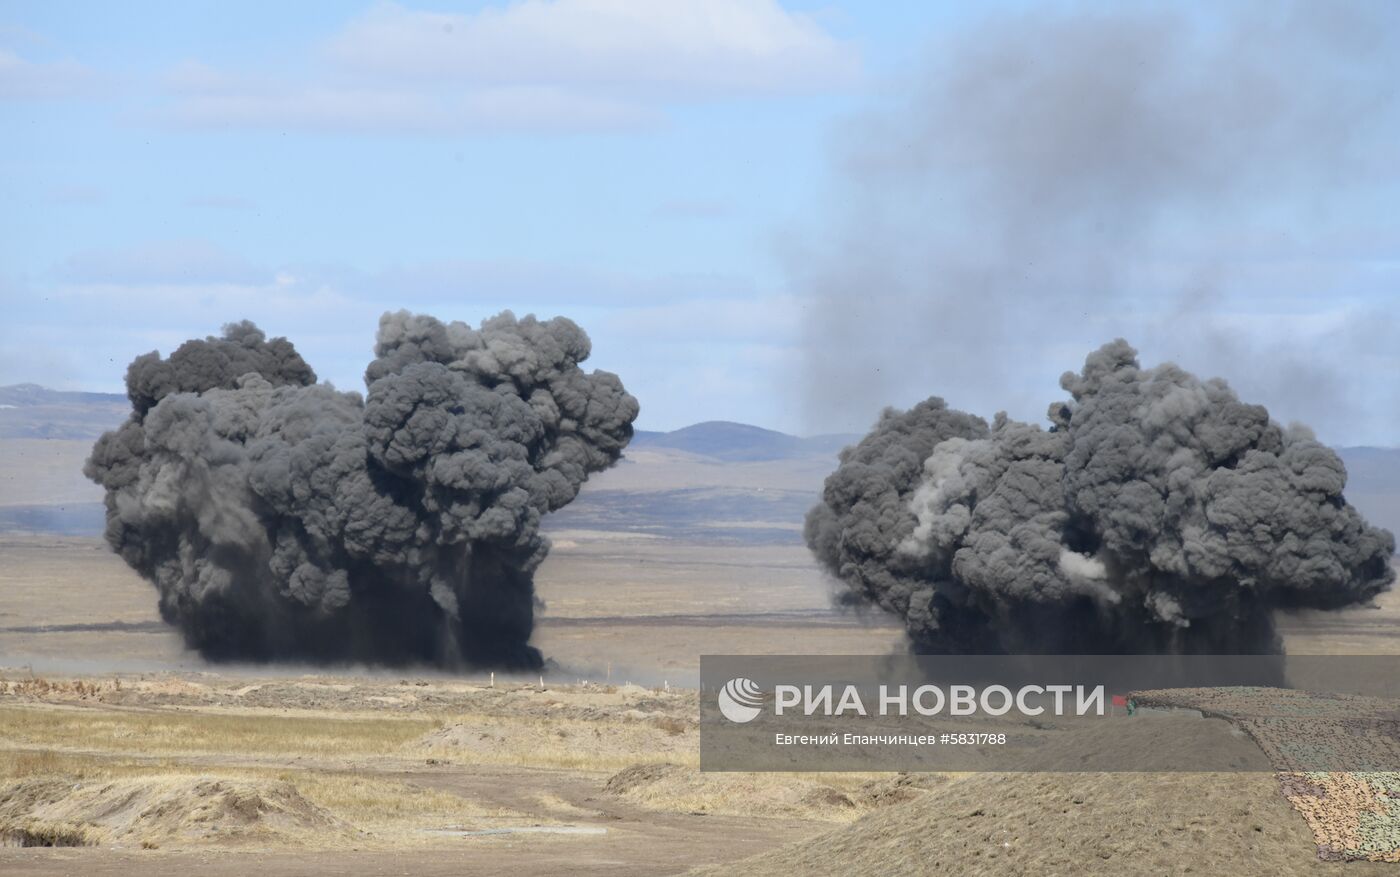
645	607
618	609
328	774
112	734
1098	823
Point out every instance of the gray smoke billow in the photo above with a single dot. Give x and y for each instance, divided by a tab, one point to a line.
1157	513
280	518
1192	178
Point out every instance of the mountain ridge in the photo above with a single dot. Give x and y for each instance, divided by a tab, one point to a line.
677	481
728	440
36	394
736	442
31	411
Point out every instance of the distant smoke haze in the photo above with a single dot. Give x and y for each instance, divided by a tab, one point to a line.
1050	178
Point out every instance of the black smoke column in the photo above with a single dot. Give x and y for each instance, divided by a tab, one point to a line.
282	519
1158	513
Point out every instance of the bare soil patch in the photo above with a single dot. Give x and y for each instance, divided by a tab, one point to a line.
153	811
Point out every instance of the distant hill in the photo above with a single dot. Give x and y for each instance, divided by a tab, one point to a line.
32	411
711	480
741	442
19	395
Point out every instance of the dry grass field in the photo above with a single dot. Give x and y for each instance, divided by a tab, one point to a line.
166	767
130	755
114	737
45	472
127	754
645	607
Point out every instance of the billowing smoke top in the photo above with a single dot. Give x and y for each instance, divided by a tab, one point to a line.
282	519
1158	513
215	363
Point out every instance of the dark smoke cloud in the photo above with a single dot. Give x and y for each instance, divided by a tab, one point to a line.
282	519
1158	513
1195	178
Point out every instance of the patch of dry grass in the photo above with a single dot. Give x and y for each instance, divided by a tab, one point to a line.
831	797
388	808
572	744
188	732
567	744
382	812
588	727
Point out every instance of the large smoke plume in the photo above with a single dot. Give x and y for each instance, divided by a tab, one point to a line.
1158	513
282	519
1208	180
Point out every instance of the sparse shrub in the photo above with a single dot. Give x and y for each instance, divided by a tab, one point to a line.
40	763
671	725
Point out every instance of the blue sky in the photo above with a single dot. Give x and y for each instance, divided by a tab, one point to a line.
787	214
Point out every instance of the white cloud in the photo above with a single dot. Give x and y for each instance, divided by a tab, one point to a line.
667	47
533	66
84	334
210	98
541	285
366	111
721	338
22	79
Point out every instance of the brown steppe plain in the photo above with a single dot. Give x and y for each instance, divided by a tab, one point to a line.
132	756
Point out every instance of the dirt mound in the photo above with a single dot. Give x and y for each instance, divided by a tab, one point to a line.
592	745
1068	823
677	788
902	787
640	776
157	812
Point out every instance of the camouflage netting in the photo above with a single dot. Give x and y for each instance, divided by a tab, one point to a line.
1354	815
